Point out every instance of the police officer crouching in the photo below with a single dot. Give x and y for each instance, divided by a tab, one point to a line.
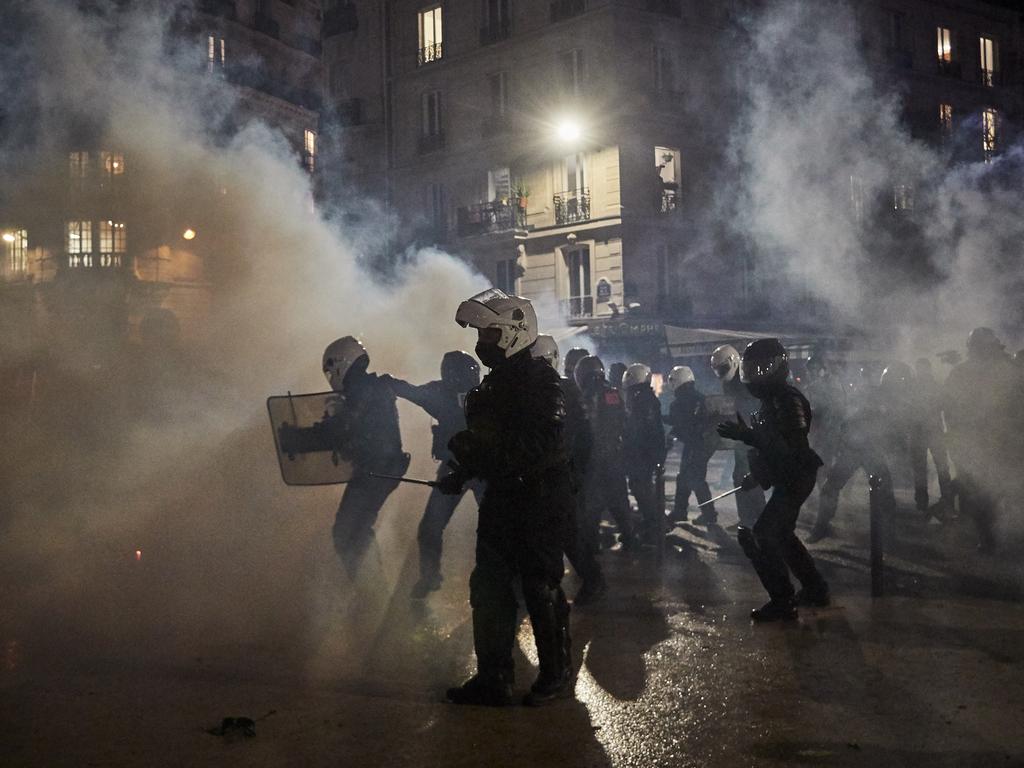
514	442
782	460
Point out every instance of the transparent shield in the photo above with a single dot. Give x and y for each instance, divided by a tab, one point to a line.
309	436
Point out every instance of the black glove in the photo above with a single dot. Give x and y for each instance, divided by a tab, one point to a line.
463	445
736	430
451	485
749	482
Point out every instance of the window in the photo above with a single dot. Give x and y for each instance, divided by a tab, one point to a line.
570	68
505	277
989	133
495	21
573	204
945	46
79	243
580	301
499	184
903	197
437	207
112	164
430	35
16	243
431	118
215	54
666	191
78	165
662	75
309	150
575	172
989	54
497	85
945	120
112	243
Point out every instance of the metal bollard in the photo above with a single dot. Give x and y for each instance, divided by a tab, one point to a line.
878	496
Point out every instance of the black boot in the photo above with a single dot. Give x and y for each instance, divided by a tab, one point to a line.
816	597
774	610
490	691
548	689
426	585
820	532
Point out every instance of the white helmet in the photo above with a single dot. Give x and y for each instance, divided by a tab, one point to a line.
546	347
681	374
340	356
636	374
725	362
514	316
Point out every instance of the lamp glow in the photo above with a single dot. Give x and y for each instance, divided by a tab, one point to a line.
189	234
8	237
569	130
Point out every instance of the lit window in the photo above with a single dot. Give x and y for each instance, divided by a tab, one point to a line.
580	302
945	45
79	243
666	190
113	163
17	251
309	150
431	118
430	35
498	84
988	60
946	120
989	133
215	53
570	65
112	243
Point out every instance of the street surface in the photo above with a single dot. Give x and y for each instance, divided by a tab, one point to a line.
137	665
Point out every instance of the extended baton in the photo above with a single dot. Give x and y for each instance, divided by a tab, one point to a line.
721	496
414	481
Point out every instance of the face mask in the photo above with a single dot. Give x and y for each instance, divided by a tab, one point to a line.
490	355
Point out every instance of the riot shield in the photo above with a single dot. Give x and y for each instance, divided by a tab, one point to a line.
309	436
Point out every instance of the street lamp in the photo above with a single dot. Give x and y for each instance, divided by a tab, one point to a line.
568	130
8	237
189	234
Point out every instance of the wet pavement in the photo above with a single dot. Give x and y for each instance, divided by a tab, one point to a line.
139	667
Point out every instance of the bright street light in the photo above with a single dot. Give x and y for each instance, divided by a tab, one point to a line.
8	237
569	130
189	234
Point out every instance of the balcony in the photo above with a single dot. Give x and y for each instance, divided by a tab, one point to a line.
342	19
572	207
578	306
495	32
666	7
429	54
225	9
431	143
950	68
488	218
566	9
266	25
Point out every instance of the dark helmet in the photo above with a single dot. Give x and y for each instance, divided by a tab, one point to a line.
896	376
615	374
982	343
572	357
460	371
588	372
764	366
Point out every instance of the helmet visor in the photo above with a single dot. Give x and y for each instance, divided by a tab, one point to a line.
755	371
723	369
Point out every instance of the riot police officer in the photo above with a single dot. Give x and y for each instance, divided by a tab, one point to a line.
725	362
605	486
691	425
932	438
515	442
444	400
644	448
784	461
579	549
827	397
366	421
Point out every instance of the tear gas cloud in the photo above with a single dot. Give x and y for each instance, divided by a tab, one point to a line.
243	555
819	144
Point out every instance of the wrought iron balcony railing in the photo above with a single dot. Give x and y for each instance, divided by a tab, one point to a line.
669	200
572	207
431	53
578	306
497	216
